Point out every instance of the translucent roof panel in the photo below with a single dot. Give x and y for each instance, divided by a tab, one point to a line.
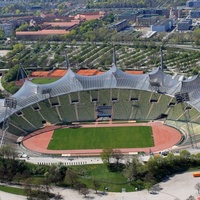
129	81
192	87
31	93
106	80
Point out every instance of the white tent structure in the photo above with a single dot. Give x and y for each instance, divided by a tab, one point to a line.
157	80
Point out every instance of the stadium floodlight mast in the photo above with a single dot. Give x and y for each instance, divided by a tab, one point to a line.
9	104
182	97
161	58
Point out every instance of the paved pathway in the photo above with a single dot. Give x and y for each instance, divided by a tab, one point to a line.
8	196
64	160
1	87
179	187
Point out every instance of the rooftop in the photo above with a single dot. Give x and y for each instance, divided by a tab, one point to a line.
42	32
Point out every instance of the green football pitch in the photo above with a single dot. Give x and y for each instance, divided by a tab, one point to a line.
101	138
42	80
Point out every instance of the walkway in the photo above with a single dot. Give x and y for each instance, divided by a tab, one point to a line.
178	187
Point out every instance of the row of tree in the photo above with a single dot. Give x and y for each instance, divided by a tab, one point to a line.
155	170
133	3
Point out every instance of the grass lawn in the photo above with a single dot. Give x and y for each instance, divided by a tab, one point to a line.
101	138
12	190
44	80
115	181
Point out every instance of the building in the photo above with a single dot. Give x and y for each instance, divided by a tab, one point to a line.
129	15
157	11
4	4
90	15
119	25
35	34
163	12
146	19
194	13
8	28
162	26
35	8
63	25
48	17
193	3
184	24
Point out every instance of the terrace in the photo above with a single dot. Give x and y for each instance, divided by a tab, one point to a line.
144	103
115	94
16	130
30	114
94	95
67	110
74	97
175	112
122	108
159	107
21	123
48	113
104	97
86	108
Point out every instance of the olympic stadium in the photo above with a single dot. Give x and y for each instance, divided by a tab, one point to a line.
113	95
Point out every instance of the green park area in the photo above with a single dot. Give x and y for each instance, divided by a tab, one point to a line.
12	190
101	138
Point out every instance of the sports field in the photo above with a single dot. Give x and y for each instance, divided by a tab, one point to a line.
101	138
44	80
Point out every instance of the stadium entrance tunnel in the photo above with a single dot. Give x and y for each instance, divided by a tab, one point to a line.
162	117
104	111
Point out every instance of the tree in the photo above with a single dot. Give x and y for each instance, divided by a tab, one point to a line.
71	176
84	191
185	158
106	155
23	27
197	186
148	186
190	198
38	192
117	155
196	36
17	177
185	154
131	170
8	151
78	186
2	34
96	185
56	173
195	71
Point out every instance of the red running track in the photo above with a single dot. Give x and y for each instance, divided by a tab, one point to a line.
165	137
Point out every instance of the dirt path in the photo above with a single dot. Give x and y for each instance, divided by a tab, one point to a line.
165	137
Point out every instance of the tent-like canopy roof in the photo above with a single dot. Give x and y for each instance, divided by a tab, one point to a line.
156	81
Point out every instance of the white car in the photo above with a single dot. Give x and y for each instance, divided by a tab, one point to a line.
24	155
